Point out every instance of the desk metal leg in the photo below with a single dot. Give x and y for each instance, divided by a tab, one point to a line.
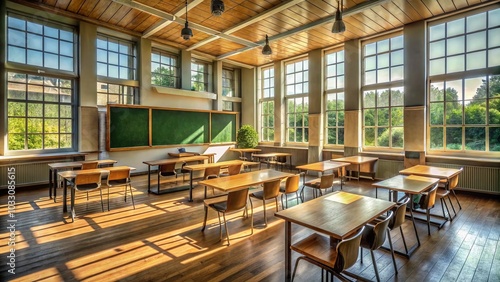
149	179
72	204
65	196
191	186
288	251
413	220
50	183
54	177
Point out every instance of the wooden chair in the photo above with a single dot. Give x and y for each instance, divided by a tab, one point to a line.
279	162
232	170
166	170
271	190
86	182
398	219
334	259
373	237
211	172
120	177
450	186
90	165
444	194
291	186
232	202
427	202
325	182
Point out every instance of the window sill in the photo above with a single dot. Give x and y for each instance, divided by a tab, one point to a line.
184	93
463	160
40	157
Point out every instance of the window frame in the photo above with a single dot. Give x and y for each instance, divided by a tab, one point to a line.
205	74
304	96
383	85
176	76
334	92
463	77
263	116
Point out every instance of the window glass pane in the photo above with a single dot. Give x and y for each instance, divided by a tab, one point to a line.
437	49
494	57
455	64
397	73
455	45
476	41
383	136
494	139
369	137
476	22
383	60
383	46
397	137
369	116
494	18
437	113
397	58
437	67
454	138
383	117
370	63
455	27
436	138
476	60
383	75
369	99
453	113
454	90
383	98
437	32
397	42
397	116
370	49
493	37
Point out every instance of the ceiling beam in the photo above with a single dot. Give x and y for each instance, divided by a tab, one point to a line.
347	12
259	17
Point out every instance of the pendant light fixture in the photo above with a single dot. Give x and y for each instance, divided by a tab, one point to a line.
338	25
186	32
217	7
267	49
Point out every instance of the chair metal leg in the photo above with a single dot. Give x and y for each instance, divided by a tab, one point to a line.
225	226
295	269
375	266
251	222
131	195
403	237
456	198
429	221
102	203
264	206
451	204
108	195
205	220
392	251
220	226
276	202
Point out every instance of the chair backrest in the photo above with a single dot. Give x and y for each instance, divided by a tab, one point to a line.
167	169
399	214
271	189
89	165
88	180
292	184
429	198
326	181
236	200
212	172
119	174
454	180
375	237
234	169
347	251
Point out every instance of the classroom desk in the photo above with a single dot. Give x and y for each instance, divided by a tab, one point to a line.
324	166
200	167
55	167
211	156
269	157
432	171
337	215
367	164
244	180
69	175
168	161
411	185
244	151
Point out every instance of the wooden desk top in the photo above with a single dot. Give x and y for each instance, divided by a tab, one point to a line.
356	159
177	160
431	171
221	164
337	214
245	150
70	174
244	180
78	164
270	155
322	166
189	154
412	184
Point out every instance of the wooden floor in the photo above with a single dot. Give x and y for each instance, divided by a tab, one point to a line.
161	241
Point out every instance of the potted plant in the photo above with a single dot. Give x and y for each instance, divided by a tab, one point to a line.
247	137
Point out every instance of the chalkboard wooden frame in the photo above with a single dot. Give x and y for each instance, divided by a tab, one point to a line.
128	128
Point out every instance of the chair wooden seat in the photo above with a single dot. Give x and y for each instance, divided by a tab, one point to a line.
324	182
318	248
291	186
271	190
120	177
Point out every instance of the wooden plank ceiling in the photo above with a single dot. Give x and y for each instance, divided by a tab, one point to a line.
294	26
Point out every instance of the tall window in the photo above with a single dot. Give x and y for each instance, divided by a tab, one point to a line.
199	76
297	91
383	93
116	61
228	83
164	69
464	91
40	108
334	114
267	105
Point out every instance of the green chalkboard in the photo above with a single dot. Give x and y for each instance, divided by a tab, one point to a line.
174	127
223	128
128	127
